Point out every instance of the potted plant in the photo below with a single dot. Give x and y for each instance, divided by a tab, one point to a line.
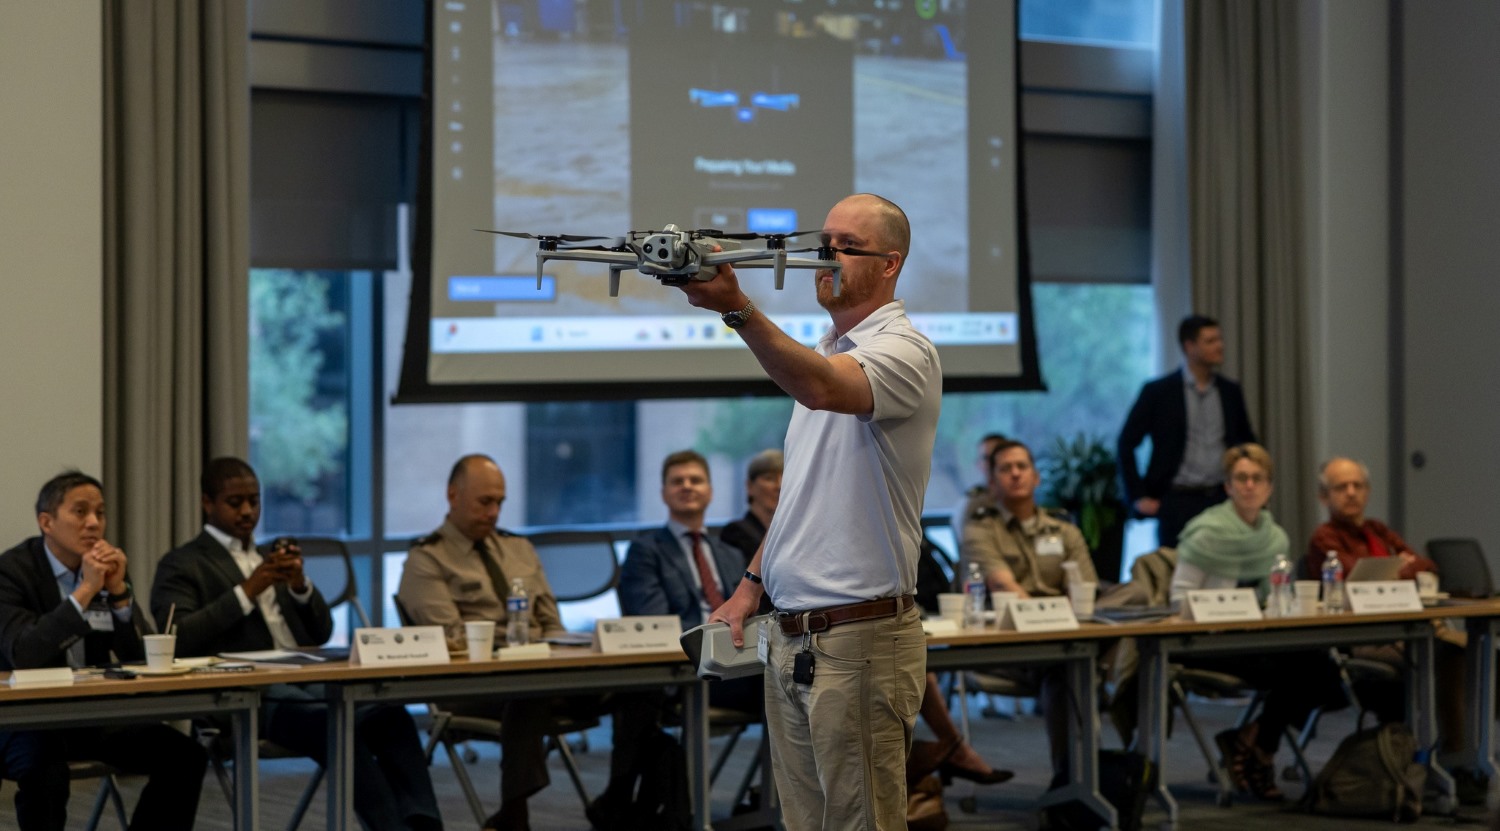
1082	478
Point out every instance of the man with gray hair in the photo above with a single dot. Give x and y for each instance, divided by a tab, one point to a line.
1344	489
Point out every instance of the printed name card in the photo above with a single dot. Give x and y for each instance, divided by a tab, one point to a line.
640	633
1374	597
404	646
940	627
1038	614
1221	605
52	677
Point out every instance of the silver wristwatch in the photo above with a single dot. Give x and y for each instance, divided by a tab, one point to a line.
735	320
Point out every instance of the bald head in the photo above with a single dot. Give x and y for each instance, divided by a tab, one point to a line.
1344	489
476	490
891	224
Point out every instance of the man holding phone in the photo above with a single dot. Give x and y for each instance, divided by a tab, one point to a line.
229	597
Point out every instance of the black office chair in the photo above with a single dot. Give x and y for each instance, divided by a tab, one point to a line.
580	565
1462	568
329	566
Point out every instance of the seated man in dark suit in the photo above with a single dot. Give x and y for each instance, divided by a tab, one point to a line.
674	570
227	597
65	602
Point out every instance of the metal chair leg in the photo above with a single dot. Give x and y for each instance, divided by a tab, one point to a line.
461	771
306	800
572	766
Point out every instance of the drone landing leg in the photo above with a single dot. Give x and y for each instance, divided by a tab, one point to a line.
780	266
614	281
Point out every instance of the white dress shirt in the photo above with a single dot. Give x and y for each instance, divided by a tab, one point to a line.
248	559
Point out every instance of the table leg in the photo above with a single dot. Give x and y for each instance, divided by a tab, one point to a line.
1421	697
1153	678
1083	746
695	745
1480	660
245	728
340	767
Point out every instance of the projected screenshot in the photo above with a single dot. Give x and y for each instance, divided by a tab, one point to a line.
601	118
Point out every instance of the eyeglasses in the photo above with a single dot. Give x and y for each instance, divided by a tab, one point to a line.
1250	478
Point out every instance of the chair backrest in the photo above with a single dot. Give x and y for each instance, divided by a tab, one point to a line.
326	561
1462	569
579	564
401	613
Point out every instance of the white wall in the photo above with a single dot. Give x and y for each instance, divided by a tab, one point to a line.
51	247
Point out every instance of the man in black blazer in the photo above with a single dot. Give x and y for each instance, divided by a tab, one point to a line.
65	602
1191	416
224	595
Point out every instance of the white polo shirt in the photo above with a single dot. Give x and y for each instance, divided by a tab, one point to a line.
849	523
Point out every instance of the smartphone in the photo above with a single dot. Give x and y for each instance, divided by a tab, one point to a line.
282	545
119	674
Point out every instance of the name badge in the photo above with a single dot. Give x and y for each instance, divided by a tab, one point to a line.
640	633
1376	596
404	646
1221	605
99	620
763	643
1049	545
1038	614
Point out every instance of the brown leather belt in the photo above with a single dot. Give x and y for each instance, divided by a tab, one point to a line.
821	620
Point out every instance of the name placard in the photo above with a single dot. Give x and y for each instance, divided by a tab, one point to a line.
1221	605
640	633
1376	596
50	677
1038	614
530	650
402	646
940	627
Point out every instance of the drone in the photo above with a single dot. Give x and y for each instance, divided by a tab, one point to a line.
675	256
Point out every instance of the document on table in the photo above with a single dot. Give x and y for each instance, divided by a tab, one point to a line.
274	656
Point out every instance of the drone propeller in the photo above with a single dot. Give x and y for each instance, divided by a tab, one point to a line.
826	252
552	238
772	237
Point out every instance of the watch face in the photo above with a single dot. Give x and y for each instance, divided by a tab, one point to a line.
734	320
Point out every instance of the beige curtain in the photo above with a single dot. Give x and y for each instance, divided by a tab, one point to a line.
177	124
1245	225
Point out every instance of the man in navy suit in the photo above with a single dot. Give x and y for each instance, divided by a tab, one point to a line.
224	595
1191	416
681	570
65	602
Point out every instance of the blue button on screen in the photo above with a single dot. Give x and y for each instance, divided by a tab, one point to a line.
771	220
508	288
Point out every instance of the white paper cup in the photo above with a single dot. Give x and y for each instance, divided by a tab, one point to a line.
1305	593
999	599
1427	584
481	637
160	650
1082	594
951	606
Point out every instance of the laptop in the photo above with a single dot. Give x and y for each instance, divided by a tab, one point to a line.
1368	569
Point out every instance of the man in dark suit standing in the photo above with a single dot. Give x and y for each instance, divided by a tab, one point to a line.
1191	416
65	602
225	596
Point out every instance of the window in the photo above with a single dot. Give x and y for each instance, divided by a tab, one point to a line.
1118	21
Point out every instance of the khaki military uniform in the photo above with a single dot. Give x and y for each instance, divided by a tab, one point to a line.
1033	551
445	583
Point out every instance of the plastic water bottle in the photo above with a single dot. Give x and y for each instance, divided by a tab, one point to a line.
976	590
1333	584
1279	603
518	614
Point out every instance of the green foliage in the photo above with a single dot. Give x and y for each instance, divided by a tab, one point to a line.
740	428
296	440
1082	476
1095	347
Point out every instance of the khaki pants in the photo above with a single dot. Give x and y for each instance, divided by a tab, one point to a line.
839	745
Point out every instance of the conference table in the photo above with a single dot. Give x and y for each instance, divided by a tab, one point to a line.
94	701
579	670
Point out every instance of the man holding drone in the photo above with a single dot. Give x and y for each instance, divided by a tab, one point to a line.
845	655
